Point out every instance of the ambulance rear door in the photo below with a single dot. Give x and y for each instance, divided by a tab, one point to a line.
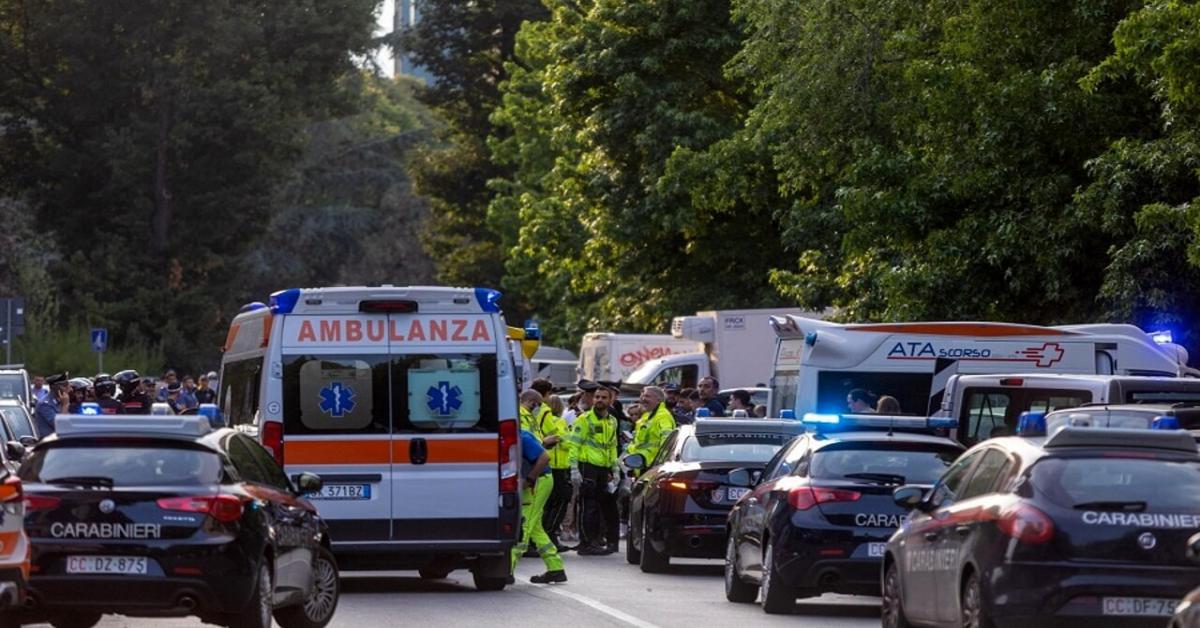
446	392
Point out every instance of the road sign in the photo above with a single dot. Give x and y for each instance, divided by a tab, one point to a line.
99	339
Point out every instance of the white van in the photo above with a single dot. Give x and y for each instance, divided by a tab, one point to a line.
990	405
403	400
818	362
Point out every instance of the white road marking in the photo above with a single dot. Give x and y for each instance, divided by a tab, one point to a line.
600	606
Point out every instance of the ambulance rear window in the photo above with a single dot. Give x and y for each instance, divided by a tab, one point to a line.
1149	485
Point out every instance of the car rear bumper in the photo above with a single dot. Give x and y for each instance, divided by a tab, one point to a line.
690	535
145	596
829	560
1033	594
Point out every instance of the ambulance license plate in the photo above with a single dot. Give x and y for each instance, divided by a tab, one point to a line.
1138	606
343	491
122	565
876	550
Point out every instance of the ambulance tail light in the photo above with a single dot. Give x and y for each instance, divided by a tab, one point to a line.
272	439
1026	524
10	489
390	306
509	457
1012	381
805	497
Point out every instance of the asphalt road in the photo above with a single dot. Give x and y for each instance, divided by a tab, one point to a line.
602	591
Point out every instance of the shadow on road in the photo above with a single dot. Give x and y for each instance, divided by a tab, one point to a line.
411	584
693	569
816	609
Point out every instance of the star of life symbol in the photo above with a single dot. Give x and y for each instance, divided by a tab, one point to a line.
444	398
337	400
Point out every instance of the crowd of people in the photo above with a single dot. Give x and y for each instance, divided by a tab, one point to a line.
125	392
577	492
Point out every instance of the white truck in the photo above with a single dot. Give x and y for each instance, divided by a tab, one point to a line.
605	356
736	347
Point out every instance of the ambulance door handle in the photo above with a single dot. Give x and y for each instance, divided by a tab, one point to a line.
418	451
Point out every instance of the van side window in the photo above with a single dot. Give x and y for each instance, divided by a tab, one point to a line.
444	393
985	414
240	384
335	394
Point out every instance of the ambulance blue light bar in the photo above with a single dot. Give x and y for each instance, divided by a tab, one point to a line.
489	300
212	413
284	301
787	414
1162	337
877	421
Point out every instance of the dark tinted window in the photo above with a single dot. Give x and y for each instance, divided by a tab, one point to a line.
945	492
241	454
239	383
904	463
271	471
667	450
733	446
1162	485
1162	396
17	422
989	469
910	389
330	394
791	457
134	464
991	412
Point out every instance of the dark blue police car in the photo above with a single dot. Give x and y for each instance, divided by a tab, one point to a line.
818	518
1088	525
163	516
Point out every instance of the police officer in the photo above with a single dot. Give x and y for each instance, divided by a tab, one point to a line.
52	404
654	426
133	398
594	469
535	466
78	389
105	388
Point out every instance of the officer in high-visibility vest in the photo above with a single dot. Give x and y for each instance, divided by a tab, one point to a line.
594	469
549	424
539	484
655	425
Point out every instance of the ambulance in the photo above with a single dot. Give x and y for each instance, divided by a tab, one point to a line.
404	401
817	362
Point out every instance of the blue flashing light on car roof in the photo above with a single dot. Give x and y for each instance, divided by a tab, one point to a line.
90	409
489	300
787	414
702	413
823	419
252	306
213	413
942	422
1164	423
284	301
1032	424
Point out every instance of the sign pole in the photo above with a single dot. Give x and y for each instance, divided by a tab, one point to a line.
8	307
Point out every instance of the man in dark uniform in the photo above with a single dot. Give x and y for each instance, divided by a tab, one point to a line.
55	402
133	398
105	389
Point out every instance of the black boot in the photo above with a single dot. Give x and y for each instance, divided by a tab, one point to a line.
549	577
592	550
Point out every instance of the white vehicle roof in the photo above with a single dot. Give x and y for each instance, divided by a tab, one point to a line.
70	425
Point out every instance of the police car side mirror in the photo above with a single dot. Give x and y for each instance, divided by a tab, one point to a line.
634	462
909	497
741	477
1193	549
28	441
16	451
309	483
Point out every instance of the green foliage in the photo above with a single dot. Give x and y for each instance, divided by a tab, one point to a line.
60	349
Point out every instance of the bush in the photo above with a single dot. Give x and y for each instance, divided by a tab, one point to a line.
69	349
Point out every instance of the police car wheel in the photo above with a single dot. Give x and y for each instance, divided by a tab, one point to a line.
971	605
75	620
652	561
633	555
776	597
736	589
893	603
317	610
257	613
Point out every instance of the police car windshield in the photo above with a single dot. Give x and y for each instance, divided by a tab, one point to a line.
892	463
732	447
1125	484
148	464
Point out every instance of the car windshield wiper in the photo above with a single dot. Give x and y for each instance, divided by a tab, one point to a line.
1129	506
83	480
887	478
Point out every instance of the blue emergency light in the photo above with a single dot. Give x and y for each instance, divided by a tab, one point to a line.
825	419
1162	337
821	421
787	414
213	413
489	300
1031	424
90	409
284	301
702	413
1164	423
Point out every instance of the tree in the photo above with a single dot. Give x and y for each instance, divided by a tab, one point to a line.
149	139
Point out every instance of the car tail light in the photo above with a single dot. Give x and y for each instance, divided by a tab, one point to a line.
508	456
672	484
34	503
805	497
1026	524
10	489
223	508
272	439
